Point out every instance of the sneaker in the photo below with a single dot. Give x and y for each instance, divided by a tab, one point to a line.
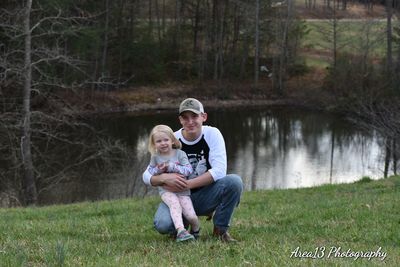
184	236
196	234
224	236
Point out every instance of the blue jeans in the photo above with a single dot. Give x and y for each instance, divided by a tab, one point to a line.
221	196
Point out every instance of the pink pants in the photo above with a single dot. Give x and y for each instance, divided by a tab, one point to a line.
178	206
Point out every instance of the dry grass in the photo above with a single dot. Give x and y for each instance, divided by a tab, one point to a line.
353	11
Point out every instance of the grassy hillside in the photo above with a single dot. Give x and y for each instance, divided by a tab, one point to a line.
339	222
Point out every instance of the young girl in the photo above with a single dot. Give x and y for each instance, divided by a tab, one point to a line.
166	156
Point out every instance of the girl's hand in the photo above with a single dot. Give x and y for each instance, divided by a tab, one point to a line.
163	167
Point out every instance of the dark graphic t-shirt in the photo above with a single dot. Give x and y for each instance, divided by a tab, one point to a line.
198	155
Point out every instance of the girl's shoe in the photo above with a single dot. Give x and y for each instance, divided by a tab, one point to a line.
184	236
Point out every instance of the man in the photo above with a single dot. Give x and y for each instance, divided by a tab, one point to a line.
212	190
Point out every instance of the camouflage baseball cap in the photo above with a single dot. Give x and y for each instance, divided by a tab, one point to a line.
191	104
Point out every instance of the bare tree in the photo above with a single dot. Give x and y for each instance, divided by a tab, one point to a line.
29	180
257	43
382	116
160	31
389	41
284	19
36	121
105	41
219	18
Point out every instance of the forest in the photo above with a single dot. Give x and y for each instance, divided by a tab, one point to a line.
53	52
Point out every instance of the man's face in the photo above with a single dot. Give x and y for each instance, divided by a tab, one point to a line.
192	122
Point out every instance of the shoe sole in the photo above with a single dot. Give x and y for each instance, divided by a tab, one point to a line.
186	239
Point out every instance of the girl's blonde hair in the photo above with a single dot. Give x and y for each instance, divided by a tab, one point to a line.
176	144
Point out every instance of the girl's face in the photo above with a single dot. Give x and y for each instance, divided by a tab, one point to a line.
162	142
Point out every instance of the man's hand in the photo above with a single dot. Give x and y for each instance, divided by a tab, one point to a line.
173	182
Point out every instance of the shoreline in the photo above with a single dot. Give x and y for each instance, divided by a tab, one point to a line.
209	105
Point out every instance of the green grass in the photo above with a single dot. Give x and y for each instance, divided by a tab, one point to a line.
317	61
270	225
351	38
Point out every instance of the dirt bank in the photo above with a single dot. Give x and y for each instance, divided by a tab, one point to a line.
299	92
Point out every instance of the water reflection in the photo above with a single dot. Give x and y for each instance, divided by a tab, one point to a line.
269	148
291	148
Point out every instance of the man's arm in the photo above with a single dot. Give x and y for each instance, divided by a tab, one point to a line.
174	180
217	157
201	180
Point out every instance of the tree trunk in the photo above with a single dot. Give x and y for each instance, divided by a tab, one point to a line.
284	46
218	59
163	18
394	153
150	18
158	19
388	153
334	36
332	155
105	42
215	36
389	61
177	33
196	28
245	45
256	44
30	192
205	43
245	55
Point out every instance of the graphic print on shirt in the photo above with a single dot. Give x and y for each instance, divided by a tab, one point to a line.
198	156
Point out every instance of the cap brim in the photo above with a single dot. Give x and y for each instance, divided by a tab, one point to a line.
192	110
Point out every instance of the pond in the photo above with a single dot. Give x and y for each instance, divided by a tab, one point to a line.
268	147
